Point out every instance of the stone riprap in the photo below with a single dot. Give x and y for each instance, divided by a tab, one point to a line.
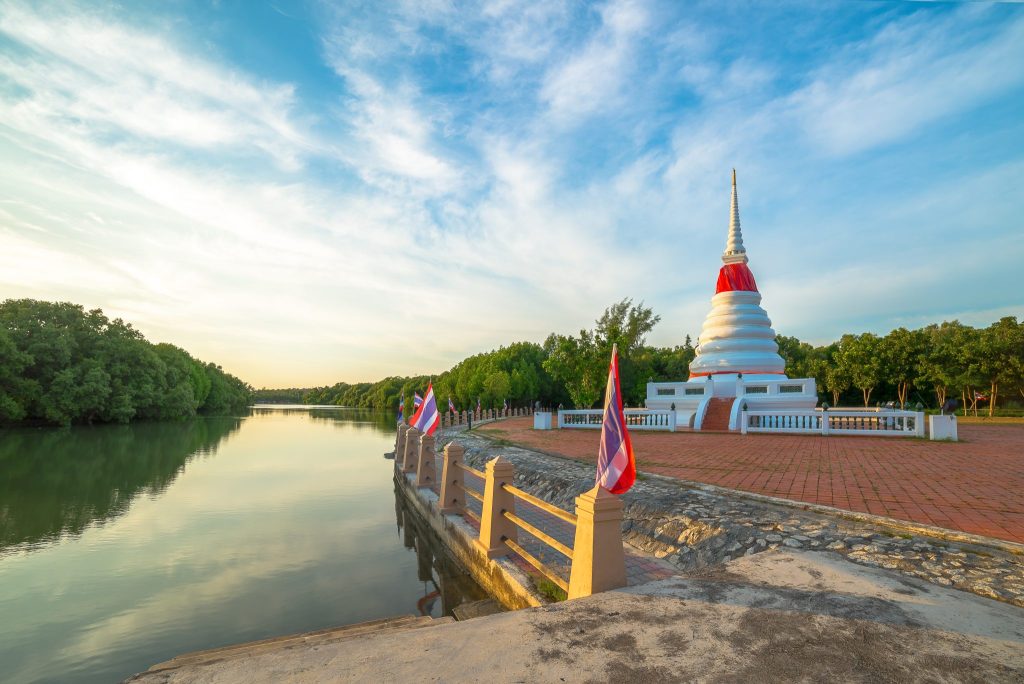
695	527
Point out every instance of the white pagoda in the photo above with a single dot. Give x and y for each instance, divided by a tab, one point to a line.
737	363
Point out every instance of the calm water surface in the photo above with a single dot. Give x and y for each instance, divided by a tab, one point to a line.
122	546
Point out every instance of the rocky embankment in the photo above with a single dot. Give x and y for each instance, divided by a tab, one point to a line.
696	527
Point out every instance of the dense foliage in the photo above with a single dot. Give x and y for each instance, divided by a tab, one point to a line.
940	361
291	395
979	366
61	364
564	370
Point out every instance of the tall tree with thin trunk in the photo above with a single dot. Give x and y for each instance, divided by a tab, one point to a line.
899	352
859	359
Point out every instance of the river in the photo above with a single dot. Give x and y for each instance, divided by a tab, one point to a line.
122	546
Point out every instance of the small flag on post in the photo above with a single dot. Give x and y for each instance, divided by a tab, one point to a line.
451	406
401	405
426	419
417	400
616	466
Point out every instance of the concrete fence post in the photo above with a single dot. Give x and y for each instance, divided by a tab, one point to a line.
824	423
598	561
426	473
453	497
495	528
400	444
412	450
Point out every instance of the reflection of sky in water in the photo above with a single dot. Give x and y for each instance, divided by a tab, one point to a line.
289	527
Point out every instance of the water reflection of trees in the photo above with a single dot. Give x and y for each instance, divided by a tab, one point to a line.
57	482
445	584
381	421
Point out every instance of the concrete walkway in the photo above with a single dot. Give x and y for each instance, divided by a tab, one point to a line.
775	616
974	486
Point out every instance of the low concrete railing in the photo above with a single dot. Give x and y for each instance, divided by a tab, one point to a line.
880	423
598	562
449	419
636	419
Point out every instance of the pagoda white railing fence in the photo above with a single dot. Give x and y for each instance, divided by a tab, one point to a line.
883	423
636	419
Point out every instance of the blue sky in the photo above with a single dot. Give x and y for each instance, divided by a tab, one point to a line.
312	192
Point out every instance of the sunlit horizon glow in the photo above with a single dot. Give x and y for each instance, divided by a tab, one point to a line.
305	194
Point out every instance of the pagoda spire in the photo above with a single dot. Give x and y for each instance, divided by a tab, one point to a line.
734	253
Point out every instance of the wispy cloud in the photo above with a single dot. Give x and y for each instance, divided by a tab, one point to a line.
87	74
912	73
589	80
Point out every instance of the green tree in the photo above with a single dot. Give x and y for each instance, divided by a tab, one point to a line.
858	358
938	365
496	388
13	387
799	356
575	363
900	351
1001	348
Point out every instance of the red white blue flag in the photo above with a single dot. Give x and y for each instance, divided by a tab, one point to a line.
426	419
401	405
417	400
451	406
616	466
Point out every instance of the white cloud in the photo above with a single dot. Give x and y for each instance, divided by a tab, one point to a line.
911	74
589	80
84	72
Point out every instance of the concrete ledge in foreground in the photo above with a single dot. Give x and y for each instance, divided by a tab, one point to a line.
773	616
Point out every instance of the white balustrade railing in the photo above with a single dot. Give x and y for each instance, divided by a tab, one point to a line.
880	423
636	419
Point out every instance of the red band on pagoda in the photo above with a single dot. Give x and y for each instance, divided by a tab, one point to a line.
735	277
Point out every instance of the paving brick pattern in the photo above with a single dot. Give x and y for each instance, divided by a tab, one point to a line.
975	485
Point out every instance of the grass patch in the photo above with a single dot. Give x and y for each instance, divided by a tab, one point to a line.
995	420
549	589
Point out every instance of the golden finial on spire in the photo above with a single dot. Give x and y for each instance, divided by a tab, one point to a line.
734	177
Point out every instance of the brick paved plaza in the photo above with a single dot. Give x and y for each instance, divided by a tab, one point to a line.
975	486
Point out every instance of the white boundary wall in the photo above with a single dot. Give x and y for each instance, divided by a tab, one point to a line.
881	423
636	419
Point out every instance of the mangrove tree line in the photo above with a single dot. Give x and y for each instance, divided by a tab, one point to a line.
61	364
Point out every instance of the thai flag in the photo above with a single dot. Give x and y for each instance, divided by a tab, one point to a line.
401	403
451	406
416	400
616	466
426	419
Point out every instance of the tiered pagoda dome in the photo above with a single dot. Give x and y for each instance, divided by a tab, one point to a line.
737	336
